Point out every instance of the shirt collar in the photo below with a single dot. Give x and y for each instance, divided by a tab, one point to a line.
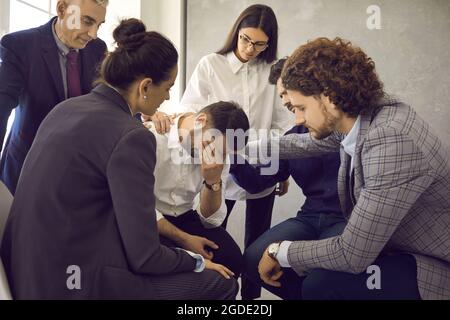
173	135
234	62
62	48
349	143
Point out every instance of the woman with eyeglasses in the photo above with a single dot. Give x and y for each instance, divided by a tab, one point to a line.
239	72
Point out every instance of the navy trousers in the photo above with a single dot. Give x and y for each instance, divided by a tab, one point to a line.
229	254
258	218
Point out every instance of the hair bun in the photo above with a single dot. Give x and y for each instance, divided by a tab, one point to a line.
129	34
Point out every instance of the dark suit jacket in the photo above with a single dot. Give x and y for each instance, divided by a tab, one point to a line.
85	198
31	82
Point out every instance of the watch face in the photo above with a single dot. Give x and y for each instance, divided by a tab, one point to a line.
273	250
216	187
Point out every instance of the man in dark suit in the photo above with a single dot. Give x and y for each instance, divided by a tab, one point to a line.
41	67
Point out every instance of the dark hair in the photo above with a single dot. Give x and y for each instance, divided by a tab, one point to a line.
275	71
257	16
227	116
335	68
139	54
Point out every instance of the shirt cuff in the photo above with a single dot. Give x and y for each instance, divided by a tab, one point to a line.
159	215
282	255
200	264
216	219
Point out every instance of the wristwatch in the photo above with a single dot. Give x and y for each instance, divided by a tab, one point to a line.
273	250
214	187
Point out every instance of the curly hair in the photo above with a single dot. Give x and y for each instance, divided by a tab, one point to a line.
275	71
336	69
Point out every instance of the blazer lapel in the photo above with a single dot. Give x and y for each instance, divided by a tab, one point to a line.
343	183
51	58
357	163
87	70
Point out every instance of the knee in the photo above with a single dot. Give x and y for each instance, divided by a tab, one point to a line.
236	263
252	256
227	289
231	256
213	286
233	289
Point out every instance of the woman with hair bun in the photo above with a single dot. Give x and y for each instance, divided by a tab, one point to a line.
83	224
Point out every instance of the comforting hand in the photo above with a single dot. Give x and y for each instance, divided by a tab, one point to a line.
161	121
283	188
224	271
270	270
198	245
146	118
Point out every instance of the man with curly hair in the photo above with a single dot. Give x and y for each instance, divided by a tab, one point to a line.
320	215
393	184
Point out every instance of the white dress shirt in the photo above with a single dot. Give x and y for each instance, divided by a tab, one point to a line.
349	145
225	78
199	260
63	51
179	181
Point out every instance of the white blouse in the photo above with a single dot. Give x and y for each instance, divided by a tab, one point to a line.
225	78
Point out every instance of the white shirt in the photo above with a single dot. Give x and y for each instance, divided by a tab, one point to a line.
225	78
178	181
349	145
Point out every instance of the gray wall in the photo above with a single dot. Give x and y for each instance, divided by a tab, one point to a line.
4	17
411	51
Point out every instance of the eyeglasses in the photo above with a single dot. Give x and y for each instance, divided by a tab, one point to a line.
259	45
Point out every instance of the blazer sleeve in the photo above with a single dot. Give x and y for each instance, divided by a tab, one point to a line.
11	81
395	175
291	146
131	182
250	178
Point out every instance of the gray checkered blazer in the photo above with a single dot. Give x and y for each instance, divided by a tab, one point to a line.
398	199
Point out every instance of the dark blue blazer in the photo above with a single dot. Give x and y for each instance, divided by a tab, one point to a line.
31	83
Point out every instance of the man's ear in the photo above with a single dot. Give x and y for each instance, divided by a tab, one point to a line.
145	87
61	8
327	102
202	118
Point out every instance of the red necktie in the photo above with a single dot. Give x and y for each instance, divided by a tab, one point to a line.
73	75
